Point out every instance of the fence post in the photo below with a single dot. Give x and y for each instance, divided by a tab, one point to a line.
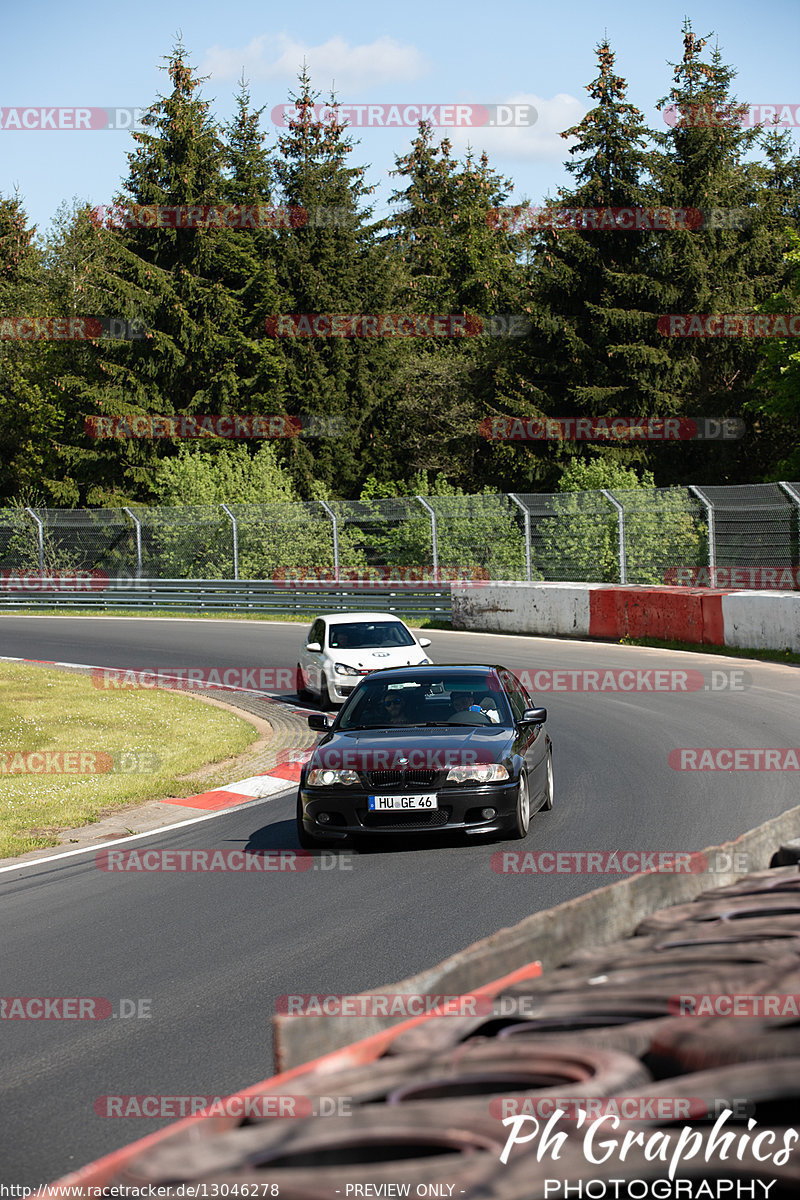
235	541
138	526
527	517
791	491
712	537
335	531
40	529
794	495
434	537
623	557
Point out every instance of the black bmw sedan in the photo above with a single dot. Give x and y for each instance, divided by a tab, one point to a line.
424	748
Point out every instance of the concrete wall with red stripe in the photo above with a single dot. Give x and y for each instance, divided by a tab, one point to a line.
701	616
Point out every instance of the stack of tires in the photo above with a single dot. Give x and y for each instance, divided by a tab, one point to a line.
619	1026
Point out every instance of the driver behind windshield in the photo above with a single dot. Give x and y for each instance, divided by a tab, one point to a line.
395	708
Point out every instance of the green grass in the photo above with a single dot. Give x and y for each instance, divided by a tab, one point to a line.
150	737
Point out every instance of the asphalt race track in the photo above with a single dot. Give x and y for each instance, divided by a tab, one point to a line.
212	952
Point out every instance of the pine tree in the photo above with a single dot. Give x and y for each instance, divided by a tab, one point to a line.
329	264
205	349
452	261
29	409
725	267
595	349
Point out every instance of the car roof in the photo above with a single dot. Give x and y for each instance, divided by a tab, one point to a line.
357	617
436	669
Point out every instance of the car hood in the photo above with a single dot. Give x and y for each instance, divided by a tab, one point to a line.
375	660
439	747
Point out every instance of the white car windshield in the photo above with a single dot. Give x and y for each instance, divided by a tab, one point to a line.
368	635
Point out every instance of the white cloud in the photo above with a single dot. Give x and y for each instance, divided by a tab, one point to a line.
539	142
349	69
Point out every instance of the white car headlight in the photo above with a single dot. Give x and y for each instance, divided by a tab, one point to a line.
326	778
341	669
480	773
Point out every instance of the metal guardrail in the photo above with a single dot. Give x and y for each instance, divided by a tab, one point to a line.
226	595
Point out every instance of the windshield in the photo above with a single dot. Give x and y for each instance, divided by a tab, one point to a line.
438	700
366	635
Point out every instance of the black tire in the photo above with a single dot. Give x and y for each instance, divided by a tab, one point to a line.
522	814
302	690
307	841
548	794
324	696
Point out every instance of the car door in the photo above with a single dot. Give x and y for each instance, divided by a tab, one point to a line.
312	659
531	742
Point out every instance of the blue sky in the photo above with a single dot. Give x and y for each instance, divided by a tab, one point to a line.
108	55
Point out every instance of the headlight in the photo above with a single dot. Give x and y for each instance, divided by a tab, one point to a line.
480	773
425	662
327	778
341	669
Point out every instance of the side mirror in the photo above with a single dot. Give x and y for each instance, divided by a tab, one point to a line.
314	646
534	716
320	721
424	642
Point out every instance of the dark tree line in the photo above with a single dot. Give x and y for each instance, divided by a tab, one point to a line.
410	406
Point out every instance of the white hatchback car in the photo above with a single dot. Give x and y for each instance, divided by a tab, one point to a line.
343	647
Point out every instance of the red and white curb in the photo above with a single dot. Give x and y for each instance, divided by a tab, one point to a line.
255	788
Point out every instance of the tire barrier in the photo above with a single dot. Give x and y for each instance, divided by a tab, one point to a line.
576	1005
312	1157
597	1035
737	911
760	883
773	1094
722	949
468	1078
706	1042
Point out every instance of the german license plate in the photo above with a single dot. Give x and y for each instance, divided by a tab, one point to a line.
390	803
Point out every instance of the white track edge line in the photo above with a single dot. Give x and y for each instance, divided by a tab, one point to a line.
224	812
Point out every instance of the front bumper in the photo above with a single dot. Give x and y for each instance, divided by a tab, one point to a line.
459	810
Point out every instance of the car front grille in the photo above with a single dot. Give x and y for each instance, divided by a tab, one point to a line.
405	820
400	780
